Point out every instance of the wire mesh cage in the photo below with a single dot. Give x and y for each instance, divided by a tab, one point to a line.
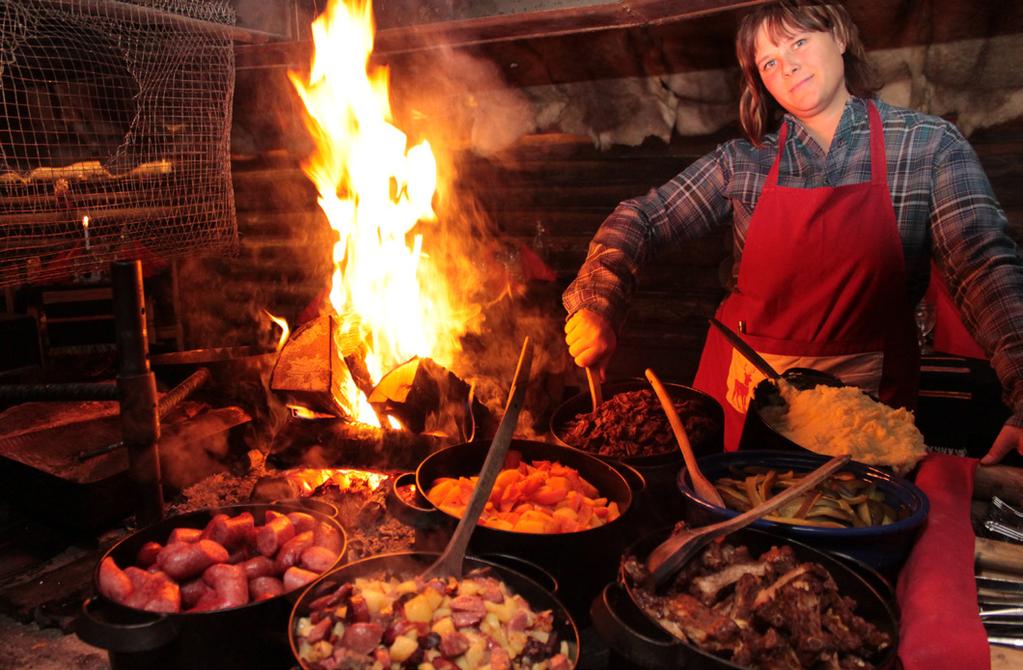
115	123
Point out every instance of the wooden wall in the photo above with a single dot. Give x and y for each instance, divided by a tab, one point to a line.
560	181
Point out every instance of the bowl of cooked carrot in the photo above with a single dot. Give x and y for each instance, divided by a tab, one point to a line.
862	511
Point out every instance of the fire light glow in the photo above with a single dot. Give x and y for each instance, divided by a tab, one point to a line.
312	478
377	193
283	325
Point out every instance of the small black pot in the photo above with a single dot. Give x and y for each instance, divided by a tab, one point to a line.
581	562
413	563
254	635
639	639
661	503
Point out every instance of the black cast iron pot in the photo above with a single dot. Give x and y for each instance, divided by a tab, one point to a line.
639	640
405	565
581	561
661	502
251	636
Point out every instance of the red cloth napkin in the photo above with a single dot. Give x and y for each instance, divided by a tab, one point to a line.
937	592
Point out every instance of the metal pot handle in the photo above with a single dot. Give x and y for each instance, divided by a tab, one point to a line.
625	640
146	632
417	516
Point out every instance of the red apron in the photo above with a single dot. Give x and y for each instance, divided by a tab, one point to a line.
822	275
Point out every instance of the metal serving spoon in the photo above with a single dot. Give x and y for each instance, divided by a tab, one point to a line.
449	564
672	554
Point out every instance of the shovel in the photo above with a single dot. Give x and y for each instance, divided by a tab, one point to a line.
449	564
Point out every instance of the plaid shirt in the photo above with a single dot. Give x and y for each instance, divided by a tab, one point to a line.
943	203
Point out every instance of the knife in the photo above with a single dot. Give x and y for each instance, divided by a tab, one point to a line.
746	350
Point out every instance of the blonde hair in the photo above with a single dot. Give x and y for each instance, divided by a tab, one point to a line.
757	108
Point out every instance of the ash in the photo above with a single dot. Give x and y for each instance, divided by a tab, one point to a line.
362	511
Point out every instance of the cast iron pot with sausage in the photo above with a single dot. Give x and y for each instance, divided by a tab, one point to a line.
581	561
661	502
253	635
406	565
638	640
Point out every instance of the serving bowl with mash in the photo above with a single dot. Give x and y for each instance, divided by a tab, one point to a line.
882	544
818	413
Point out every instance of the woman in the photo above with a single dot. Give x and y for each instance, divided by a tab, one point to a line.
836	215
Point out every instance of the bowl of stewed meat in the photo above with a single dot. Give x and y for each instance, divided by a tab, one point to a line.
754	601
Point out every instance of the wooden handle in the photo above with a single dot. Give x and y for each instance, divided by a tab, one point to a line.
596	393
1004	481
1000	556
807	483
701	484
450	562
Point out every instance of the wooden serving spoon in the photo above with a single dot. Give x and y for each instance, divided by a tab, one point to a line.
596	393
671	555
449	564
701	484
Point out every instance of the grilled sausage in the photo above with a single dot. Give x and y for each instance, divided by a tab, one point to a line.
231	532
291	552
302	521
113	582
184	535
183	561
258	566
317	559
274	534
230	584
325	535
262	588
192	592
296	577
147	554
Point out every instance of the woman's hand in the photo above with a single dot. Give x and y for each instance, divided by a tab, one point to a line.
591	340
1011	437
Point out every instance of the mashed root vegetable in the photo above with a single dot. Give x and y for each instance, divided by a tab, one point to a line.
844	420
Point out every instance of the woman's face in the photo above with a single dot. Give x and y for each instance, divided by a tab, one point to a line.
803	70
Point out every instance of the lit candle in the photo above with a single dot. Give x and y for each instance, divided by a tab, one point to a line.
85	227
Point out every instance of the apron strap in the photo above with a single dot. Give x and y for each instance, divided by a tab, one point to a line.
878	158
772	175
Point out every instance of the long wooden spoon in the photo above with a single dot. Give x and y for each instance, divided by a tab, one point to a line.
701	484
596	394
671	555
449	564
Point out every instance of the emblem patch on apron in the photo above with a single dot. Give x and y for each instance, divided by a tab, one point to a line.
742	379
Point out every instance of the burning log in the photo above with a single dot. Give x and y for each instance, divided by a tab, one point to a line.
424	395
313	369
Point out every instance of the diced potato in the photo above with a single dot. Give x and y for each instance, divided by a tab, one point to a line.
434	597
444	626
402	648
375	600
476	654
408	586
418	609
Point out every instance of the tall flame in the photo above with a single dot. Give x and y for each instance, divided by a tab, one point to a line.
377	194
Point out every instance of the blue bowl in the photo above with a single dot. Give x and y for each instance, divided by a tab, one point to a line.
883	548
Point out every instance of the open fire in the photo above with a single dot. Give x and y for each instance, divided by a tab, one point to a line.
392	299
